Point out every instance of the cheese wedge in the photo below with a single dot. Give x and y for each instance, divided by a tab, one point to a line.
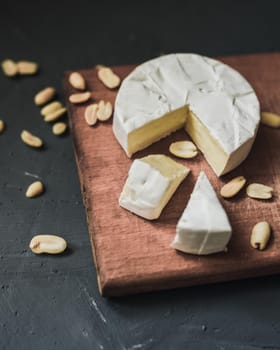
215	104
151	183
204	227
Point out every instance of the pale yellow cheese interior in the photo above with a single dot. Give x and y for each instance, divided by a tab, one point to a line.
220	161
155	130
165	165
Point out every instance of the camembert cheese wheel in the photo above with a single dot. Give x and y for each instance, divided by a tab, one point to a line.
213	102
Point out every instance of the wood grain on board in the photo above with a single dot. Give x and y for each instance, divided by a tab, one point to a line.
133	255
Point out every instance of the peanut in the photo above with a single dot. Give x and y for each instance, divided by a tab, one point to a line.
260	235
2	126
231	188
270	119
55	115
31	140
259	191
35	189
108	77
10	68
50	244
80	97
44	96
51	107
77	81
27	67
59	128
91	114
104	111
183	149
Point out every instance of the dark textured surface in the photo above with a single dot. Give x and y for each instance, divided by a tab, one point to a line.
53	302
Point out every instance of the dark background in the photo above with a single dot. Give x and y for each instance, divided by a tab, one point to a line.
49	302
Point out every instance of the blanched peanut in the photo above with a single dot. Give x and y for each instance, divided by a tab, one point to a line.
35	189
31	140
10	68
104	111
51	117
91	114
80	97
50	244
270	119
108	77
77	81
259	191
2	126
27	67
59	128
44	96
231	188
260	235
183	149
51	107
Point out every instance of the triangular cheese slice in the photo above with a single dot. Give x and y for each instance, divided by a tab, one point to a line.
204	227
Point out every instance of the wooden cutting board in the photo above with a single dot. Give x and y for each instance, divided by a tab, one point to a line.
133	255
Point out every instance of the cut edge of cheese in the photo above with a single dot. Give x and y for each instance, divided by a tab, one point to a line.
218	159
152	132
151	183
203	228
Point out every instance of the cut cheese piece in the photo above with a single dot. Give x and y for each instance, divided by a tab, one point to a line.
151	182
204	227
216	105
